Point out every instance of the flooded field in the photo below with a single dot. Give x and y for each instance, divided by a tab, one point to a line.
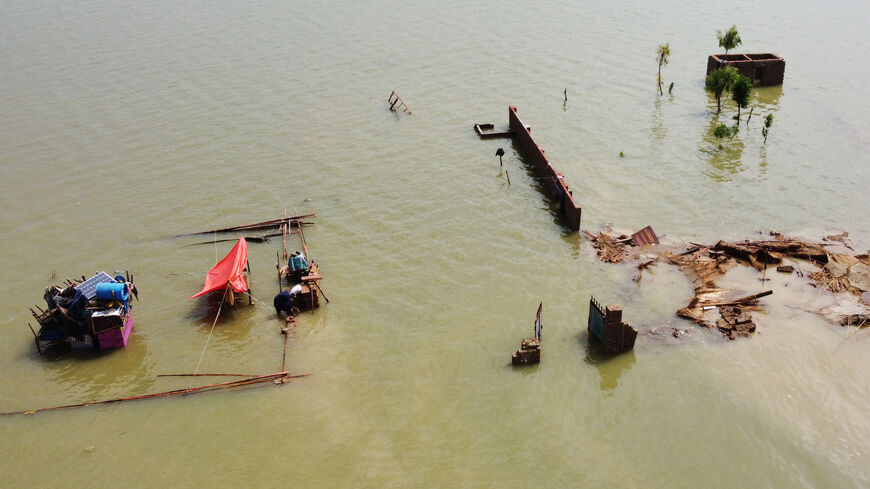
128	123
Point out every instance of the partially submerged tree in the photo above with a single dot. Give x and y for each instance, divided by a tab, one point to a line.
722	131
740	92
663	53
768	121
719	81
729	39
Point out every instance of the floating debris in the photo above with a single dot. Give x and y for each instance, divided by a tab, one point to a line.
645	236
397	103
618	249
723	309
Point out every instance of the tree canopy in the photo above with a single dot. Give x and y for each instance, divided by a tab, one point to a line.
722	131
740	92
721	80
729	39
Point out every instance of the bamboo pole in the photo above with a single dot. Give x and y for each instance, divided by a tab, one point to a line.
256	225
253	239
316	284
741	300
282	376
304	246
278	268
284	227
207	375
284	356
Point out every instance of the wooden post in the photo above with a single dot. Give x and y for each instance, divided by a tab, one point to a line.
278	268
231	299
284	227
304	246
35	339
248	282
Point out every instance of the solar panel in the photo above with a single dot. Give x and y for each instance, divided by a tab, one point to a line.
89	286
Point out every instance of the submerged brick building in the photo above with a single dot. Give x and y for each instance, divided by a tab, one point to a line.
764	69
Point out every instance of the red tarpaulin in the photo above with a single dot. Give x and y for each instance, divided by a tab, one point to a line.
228	271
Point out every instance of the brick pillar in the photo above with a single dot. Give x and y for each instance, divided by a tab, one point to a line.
613	328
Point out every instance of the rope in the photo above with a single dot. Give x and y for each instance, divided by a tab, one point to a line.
258	301
201	355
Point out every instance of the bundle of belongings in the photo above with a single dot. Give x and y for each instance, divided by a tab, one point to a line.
83	314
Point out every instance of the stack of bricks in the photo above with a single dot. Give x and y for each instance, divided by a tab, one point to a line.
528	354
618	336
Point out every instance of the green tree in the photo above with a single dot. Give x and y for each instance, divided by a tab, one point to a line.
663	53
722	131
729	39
768	121
719	81
740	92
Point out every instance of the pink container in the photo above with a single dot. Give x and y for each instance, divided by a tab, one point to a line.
116	337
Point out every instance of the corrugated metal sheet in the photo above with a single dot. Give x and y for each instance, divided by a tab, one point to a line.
645	236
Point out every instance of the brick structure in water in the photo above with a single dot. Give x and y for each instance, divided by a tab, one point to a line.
607	326
553	181
764	69
528	354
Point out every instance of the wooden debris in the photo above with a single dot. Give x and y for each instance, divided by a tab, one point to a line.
485	131
734	319
250	239
397	103
643	266
704	264
272	223
609	249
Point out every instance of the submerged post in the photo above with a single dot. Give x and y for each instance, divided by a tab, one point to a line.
530	348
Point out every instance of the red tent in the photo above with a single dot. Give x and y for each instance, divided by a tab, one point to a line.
228	271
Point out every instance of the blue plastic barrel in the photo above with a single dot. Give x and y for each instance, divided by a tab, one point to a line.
110	291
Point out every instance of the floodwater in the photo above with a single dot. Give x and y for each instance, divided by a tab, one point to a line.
125	123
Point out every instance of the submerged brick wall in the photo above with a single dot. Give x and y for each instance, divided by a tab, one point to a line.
553	180
607	325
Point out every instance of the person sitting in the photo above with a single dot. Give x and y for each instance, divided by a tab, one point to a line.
298	262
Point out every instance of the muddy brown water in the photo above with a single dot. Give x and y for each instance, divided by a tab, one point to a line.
124	124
